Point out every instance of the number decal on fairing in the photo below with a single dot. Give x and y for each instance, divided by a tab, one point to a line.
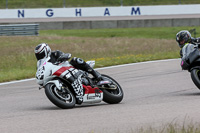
40	73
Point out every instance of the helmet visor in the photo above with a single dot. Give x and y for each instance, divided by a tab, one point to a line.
40	55
181	43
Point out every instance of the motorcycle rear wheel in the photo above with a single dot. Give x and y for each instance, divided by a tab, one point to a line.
195	75
112	96
64	100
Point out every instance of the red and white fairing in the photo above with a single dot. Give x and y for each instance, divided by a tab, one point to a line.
92	95
47	71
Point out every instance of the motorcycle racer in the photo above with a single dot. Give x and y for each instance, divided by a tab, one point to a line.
44	51
187	44
67	83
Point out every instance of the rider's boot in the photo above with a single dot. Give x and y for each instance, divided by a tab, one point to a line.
101	82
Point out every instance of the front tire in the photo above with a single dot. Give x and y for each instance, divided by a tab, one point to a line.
61	98
195	75
112	96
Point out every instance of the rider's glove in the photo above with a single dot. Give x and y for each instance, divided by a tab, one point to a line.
184	64
64	57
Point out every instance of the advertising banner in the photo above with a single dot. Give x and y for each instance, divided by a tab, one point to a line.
100	11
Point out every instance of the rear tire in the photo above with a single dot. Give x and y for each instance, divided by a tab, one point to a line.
64	100
195	75
112	96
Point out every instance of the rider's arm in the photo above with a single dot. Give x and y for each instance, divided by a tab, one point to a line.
60	56
57	54
64	57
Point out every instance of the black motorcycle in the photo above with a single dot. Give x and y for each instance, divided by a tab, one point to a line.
192	64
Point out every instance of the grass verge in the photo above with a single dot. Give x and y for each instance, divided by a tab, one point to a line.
106	46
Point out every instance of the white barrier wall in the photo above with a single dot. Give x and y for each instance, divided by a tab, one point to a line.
100	11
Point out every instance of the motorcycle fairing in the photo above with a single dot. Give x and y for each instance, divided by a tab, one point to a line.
78	89
61	71
42	71
191	60
92	95
193	55
73	76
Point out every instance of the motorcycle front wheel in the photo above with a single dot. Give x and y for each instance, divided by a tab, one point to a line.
63	98
195	75
112	96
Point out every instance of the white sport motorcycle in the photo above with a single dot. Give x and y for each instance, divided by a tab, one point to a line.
66	86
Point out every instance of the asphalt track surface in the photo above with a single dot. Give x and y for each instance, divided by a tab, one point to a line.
155	94
104	18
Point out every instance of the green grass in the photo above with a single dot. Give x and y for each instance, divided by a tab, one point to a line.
106	46
158	33
87	3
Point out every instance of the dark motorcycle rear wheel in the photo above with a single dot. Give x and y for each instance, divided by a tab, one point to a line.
62	99
195	75
112	96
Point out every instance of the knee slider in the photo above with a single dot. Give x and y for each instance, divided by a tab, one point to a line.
80	61
77	62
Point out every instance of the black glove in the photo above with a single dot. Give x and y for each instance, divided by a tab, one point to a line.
64	57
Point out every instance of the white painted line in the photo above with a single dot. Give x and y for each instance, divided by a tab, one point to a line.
17	81
24	80
136	63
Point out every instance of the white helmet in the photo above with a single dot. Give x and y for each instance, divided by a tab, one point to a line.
42	51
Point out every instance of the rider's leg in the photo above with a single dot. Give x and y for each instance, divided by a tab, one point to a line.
82	65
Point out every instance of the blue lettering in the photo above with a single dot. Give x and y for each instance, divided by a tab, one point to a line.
20	13
135	11
106	12
49	12
78	12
